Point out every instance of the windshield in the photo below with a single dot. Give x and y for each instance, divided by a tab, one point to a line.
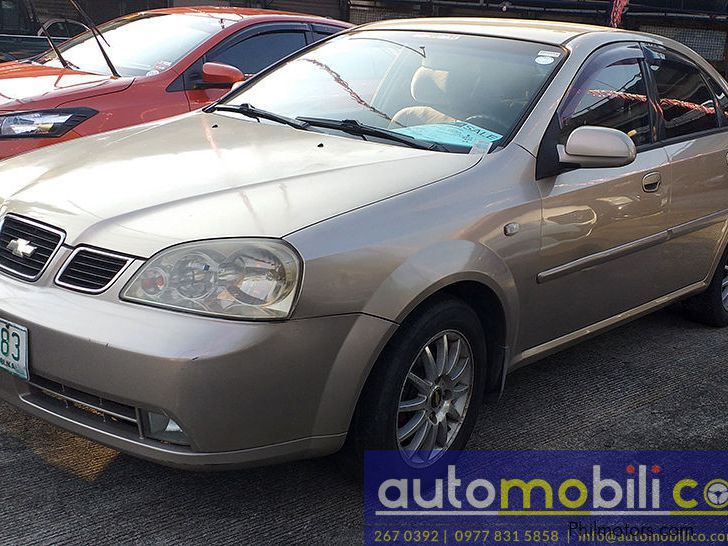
139	45
462	91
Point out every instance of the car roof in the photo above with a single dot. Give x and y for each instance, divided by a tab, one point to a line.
236	14
549	32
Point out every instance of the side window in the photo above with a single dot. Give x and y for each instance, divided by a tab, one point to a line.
258	52
317	35
320	32
64	29
609	92
720	93
57	29
686	102
74	29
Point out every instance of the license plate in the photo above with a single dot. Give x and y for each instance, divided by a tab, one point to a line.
14	349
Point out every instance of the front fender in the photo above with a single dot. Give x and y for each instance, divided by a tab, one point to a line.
423	274
438	266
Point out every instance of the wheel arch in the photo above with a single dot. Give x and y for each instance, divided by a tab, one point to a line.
478	292
460	269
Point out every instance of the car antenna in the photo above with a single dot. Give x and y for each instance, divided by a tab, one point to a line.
96	33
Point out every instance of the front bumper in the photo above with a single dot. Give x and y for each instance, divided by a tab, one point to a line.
242	392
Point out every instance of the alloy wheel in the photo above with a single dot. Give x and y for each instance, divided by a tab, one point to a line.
435	398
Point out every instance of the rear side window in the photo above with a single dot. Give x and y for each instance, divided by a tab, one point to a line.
258	52
609	92
685	99
320	32
720	94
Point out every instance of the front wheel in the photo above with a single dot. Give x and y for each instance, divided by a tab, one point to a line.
423	396
711	307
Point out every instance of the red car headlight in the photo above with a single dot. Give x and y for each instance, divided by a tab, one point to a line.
43	123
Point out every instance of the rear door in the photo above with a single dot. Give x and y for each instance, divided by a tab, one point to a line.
251	50
695	135
603	230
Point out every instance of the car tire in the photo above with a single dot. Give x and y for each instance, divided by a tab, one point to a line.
711	307
445	385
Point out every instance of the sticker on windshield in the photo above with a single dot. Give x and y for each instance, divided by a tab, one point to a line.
459	133
554	54
544	60
440	36
481	147
161	66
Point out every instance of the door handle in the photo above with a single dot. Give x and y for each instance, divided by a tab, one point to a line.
652	182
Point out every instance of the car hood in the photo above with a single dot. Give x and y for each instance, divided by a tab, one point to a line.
23	86
200	176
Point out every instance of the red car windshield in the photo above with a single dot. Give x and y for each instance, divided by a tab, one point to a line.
139	45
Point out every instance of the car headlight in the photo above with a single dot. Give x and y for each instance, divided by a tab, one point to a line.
252	279
43	123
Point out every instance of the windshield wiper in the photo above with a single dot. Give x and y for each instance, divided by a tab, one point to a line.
54	47
95	32
256	113
353	127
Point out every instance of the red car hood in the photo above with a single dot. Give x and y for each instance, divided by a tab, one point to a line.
29	86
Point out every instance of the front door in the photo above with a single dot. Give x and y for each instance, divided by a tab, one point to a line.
603	230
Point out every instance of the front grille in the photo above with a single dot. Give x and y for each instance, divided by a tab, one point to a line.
91	270
63	399
26	247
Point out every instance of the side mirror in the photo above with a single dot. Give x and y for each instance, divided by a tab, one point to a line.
219	76
593	147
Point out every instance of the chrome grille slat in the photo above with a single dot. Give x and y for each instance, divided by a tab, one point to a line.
45	239
90	270
103	270
39	237
73	271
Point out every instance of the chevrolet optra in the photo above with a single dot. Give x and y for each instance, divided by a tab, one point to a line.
360	243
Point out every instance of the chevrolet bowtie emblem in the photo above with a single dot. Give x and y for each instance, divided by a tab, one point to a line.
21	248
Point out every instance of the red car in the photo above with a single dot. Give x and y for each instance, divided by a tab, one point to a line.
155	64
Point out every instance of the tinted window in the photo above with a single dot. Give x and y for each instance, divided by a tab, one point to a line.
609	92
719	92
259	52
63	29
321	32
687	103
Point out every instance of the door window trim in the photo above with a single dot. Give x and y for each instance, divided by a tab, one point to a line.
632	51
547	158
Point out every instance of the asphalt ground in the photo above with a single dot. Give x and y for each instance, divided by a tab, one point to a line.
658	383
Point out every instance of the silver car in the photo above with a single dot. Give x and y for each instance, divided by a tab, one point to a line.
360	243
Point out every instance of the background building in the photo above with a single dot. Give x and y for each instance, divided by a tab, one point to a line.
701	24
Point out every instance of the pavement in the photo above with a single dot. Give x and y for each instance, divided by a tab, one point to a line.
658	383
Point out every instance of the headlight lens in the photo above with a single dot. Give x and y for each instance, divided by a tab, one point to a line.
237	278
43	123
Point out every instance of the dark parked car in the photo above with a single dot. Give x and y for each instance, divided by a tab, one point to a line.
22	34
